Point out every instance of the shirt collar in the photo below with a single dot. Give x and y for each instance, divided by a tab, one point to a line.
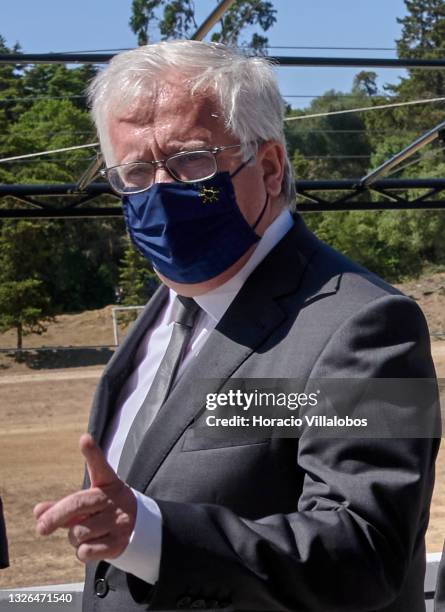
216	302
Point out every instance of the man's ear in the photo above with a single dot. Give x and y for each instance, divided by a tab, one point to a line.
271	158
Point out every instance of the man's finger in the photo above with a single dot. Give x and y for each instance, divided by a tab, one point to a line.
106	547
99	470
81	534
71	509
42	507
96	550
92	527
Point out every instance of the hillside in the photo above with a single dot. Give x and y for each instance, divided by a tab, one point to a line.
94	328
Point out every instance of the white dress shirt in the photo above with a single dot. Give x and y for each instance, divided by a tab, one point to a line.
143	553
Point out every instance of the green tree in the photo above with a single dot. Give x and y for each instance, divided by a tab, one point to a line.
24	300
388	243
24	306
395	244
365	83
10	106
242	14
83	253
423	36
137	281
333	146
56	80
47	125
176	19
10	87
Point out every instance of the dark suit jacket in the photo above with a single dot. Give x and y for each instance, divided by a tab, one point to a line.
439	599
283	524
4	559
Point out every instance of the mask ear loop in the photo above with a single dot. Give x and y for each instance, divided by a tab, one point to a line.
243	165
261	213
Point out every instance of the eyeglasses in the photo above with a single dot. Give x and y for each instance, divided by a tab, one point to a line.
186	167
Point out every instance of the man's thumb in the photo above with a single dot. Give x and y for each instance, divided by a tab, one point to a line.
99	470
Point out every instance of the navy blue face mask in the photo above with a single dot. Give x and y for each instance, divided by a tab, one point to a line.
190	232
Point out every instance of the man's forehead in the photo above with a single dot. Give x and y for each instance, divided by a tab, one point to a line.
169	102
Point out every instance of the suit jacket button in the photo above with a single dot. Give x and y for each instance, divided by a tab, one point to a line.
198	604
183	603
101	587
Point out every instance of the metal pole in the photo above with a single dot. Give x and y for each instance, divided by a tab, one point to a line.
408	151
208	23
115	328
90	173
97	189
357	62
55	58
279	60
55	189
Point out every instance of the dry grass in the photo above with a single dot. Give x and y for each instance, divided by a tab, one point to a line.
39	458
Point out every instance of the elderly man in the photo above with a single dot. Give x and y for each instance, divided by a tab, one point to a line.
192	135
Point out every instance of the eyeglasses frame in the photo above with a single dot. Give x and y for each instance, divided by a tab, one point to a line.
162	163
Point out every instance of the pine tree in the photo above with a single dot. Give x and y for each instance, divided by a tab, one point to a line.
24	306
24	300
423	36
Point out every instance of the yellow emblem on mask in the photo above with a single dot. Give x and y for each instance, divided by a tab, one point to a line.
208	194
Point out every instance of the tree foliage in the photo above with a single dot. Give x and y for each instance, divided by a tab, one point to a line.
24	301
137	281
51	266
242	14
394	244
11	87
24	306
169	19
48	267
333	146
423	36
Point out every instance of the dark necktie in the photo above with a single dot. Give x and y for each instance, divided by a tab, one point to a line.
184	315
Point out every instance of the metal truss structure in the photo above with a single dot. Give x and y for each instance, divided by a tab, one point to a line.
97	200
372	192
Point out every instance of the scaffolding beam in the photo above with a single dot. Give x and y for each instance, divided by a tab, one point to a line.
280	60
312	196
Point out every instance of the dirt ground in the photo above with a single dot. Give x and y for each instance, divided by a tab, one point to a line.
89	328
42	420
429	293
43	410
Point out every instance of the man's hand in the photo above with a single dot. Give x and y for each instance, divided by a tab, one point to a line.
100	519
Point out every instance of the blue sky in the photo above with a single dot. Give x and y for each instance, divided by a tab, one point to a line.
51	25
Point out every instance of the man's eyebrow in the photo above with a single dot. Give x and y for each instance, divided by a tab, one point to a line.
187	145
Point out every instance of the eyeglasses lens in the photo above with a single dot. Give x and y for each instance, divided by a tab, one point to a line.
193	166
186	167
131	177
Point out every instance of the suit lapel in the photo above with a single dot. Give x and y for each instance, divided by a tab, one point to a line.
120	366
220	356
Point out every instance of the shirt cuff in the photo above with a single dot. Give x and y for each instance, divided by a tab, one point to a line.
142	556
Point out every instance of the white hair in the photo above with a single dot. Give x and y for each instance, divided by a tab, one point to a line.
244	88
